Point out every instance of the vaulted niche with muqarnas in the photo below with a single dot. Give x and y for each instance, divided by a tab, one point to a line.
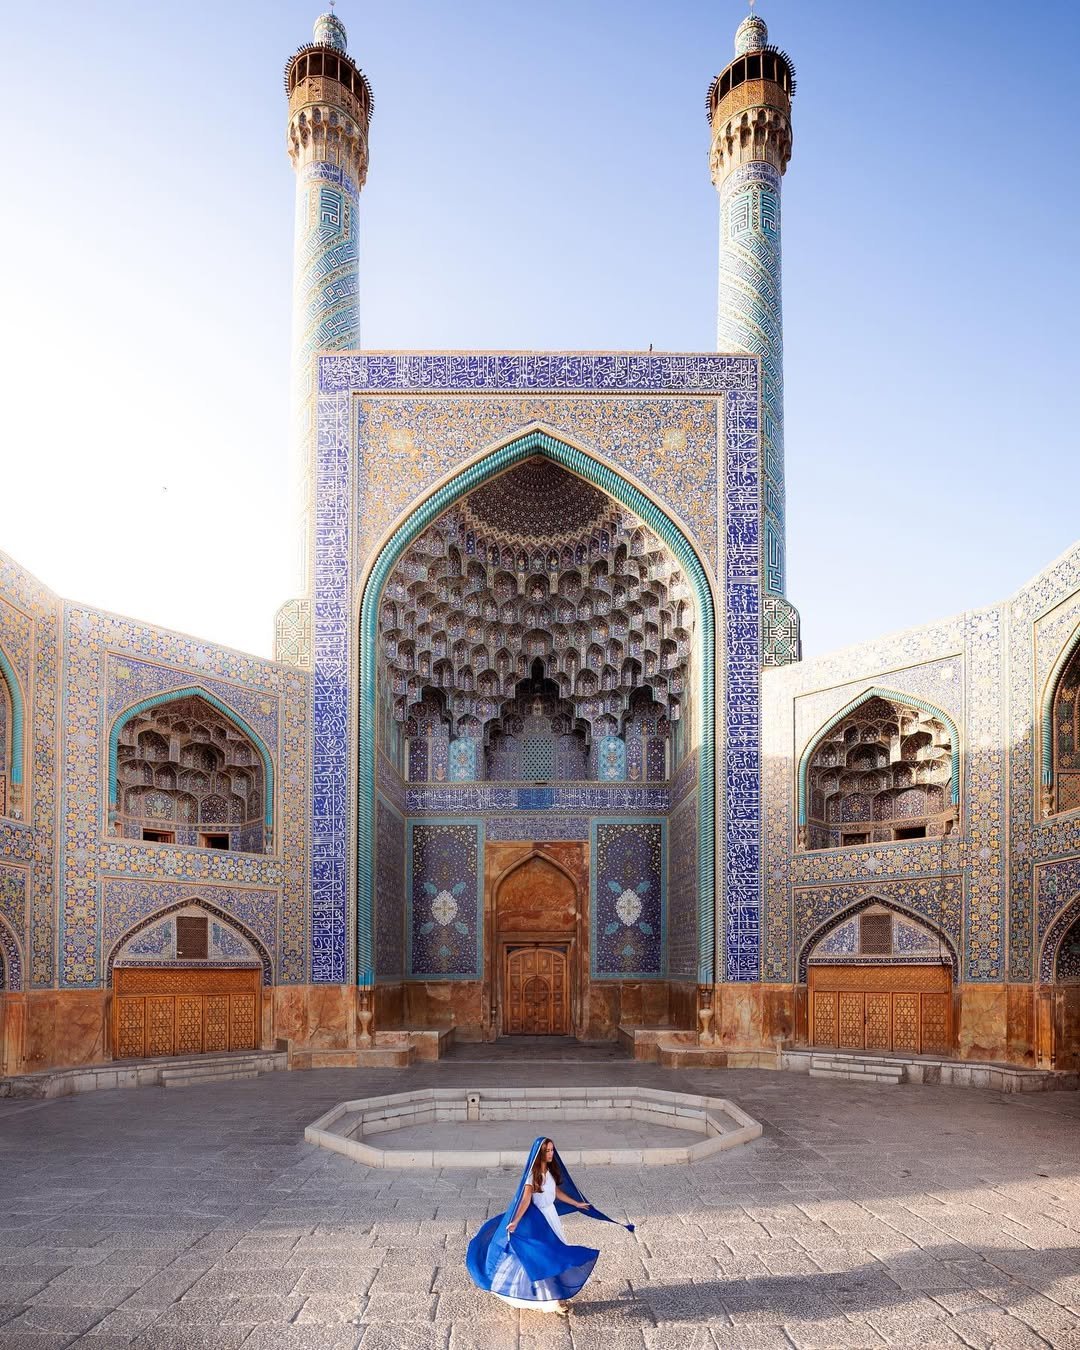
536	632
882	773
1061	738
187	775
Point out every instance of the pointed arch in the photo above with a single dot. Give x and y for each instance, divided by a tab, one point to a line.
892	696
600	475
1046	711
10	959
536	851
148	921
17	751
1054	937
856	907
192	691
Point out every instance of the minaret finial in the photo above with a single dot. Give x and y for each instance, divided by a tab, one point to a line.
752	34
330	31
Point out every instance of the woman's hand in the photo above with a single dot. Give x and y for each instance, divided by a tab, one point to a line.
584	1204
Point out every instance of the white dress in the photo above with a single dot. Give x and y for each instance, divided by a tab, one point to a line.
544	1200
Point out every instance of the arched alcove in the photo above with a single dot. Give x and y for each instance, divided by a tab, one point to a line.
483	580
537	923
884	768
184	769
1060	733
879	978
11	965
12	748
187	980
1059	997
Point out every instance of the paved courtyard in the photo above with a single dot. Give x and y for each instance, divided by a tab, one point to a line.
864	1216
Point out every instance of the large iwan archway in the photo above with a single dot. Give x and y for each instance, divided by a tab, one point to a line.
495	648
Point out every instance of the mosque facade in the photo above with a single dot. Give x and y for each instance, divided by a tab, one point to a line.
538	753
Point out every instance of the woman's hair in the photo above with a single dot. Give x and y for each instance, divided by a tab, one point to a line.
536	1176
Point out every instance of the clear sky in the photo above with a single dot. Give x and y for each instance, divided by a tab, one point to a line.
539	179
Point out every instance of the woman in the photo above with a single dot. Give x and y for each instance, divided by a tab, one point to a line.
522	1256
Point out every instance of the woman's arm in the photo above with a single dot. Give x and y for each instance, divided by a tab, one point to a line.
568	1200
526	1197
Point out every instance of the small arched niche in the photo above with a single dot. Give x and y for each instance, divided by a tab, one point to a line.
883	771
880	980
879	934
187	774
1061	735
189	935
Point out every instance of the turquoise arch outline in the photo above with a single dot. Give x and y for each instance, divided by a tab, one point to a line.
896	697
1046	717
18	720
608	480
223	708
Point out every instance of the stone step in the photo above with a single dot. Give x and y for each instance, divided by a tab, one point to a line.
178	1078
426	1043
690	1057
858	1066
213	1065
385	1057
847	1076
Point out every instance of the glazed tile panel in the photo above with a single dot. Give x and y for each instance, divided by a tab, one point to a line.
628	876
750	318
127	903
13	892
389	892
29	623
1043	619
682	892
445	887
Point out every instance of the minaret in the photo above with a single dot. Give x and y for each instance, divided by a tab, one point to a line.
749	110
330	106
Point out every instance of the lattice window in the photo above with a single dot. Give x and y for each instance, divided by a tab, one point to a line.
537	759
875	934
192	943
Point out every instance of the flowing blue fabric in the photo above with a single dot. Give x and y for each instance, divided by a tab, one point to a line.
532	1263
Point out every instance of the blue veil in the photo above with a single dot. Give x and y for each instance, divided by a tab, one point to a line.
532	1263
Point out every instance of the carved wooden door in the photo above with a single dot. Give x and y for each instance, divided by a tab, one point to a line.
907	1009
159	1011
536	992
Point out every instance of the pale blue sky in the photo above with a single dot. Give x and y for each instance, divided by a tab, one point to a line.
539	179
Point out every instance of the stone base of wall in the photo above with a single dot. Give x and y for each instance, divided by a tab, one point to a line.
993	1022
47	1029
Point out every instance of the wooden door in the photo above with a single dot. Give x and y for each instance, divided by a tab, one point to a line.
907	1009
159	1011
535	987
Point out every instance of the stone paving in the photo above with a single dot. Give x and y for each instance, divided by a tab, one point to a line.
865	1216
